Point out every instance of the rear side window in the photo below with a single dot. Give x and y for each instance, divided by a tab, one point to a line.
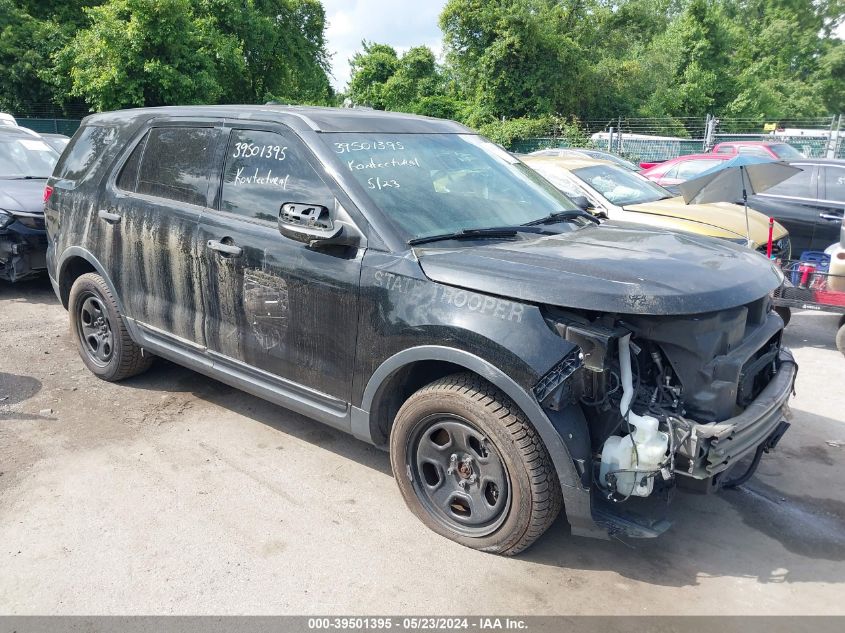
87	145
176	163
725	149
128	177
265	170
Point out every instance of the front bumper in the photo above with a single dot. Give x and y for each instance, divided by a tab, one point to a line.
22	251
713	448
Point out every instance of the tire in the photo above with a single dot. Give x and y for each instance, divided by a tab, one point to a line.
840	337
462	429
784	313
100	332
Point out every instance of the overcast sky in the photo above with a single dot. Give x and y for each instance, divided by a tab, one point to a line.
400	23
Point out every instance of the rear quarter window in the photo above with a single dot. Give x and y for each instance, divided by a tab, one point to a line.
86	147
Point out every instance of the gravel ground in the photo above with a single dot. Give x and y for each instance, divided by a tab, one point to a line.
171	493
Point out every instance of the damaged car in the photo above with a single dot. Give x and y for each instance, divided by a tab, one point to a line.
409	282
26	162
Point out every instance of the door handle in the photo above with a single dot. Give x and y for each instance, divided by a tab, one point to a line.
830	216
108	216
226	249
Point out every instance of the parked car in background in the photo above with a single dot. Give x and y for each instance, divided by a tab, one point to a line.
677	170
766	149
25	164
621	195
57	141
411	283
582	152
810	204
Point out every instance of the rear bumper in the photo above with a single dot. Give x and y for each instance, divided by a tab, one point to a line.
713	448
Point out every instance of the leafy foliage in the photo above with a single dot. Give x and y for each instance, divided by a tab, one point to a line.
529	60
121	53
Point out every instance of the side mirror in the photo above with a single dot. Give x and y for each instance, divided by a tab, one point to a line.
581	202
307	223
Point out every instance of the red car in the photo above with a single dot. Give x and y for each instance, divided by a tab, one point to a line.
682	168
766	149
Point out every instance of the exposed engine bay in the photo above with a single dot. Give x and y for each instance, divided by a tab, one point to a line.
668	399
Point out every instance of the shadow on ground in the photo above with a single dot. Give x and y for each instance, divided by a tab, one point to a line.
812	329
37	291
756	531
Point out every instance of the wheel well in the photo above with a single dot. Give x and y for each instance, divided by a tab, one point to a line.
398	387
72	269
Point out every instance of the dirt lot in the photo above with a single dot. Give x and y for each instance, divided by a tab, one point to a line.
172	493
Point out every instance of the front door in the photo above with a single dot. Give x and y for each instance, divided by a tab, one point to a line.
273	303
148	218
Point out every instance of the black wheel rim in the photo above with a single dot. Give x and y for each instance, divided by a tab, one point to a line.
94	329
459	475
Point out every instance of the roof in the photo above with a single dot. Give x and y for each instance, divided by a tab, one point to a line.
17	132
750	143
566	162
303	118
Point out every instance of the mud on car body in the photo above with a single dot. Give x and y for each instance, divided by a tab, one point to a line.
406	281
25	164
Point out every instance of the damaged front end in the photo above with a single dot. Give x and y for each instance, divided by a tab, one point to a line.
23	245
673	401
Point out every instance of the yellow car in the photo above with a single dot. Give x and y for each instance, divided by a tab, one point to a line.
619	194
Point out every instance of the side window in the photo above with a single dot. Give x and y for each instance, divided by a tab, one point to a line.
176	163
754	150
725	149
834	182
800	185
672	172
265	170
128	178
85	147
692	168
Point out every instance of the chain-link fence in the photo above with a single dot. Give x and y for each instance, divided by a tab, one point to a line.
659	139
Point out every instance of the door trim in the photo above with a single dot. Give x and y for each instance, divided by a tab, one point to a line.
291	395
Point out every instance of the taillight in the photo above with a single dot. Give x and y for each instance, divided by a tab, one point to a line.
48	191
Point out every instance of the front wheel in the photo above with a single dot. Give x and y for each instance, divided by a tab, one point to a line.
471	466
840	336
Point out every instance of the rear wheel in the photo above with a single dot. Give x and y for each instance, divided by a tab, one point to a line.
840	336
472	468
100	332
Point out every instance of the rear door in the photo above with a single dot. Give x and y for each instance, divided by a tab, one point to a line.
148	219
794	203
831	206
273	304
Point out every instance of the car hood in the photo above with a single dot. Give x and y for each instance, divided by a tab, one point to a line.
610	268
22	195
721	215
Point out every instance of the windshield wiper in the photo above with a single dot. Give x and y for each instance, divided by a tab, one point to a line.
494	231
569	214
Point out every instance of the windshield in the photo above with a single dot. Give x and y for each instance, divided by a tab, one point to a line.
26	158
785	151
621	186
431	184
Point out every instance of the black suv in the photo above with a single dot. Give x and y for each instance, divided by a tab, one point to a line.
411	283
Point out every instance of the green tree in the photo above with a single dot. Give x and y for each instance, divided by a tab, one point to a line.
142	52
370	70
